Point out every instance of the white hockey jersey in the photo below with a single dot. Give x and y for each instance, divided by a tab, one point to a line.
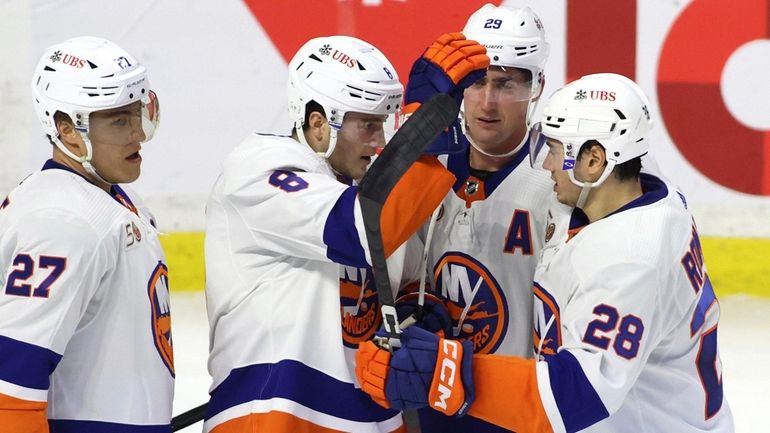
279	227
84	311
625	327
483	255
484	251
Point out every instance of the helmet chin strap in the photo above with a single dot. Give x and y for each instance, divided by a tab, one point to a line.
583	197
303	139
530	110
587	186
85	160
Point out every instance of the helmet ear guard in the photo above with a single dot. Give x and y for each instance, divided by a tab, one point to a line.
341	74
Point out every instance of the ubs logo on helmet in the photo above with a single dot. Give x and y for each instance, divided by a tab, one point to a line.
157	290
359	305
344	59
475	301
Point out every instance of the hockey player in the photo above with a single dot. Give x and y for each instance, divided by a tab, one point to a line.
490	227
283	218
625	315
85	326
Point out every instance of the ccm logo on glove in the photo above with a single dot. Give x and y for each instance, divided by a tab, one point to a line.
444	377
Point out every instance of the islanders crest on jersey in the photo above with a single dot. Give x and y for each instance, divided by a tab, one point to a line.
157	291
546	329
475	300
359	305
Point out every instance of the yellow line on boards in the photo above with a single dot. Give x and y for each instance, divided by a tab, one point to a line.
184	256
738	265
735	265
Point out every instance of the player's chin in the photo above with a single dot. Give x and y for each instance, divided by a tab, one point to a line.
360	170
130	173
566	199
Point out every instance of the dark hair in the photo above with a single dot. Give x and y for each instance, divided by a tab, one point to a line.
628	170
310	107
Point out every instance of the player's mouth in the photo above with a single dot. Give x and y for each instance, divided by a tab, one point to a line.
486	121
134	157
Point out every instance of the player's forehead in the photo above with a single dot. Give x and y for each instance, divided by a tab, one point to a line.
131	108
367	117
496	73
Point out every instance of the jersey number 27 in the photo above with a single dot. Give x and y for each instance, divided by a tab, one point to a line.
24	269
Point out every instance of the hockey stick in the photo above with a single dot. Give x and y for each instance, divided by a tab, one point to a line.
188	418
409	142
406	146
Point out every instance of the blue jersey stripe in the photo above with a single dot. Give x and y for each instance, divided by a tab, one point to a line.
340	234
704	303
72	426
25	364
297	382
433	421
578	402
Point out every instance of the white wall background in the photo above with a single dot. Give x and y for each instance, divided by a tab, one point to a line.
219	78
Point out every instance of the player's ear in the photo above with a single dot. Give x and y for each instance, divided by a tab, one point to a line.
592	160
317	121
68	135
597	159
317	133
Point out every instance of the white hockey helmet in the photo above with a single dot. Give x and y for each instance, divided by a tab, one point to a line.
514	38
608	108
342	74
87	74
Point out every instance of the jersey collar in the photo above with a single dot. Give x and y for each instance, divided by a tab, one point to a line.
116	192
458	164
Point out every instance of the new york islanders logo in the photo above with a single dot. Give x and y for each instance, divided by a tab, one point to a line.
359	305
157	290
546	329
475	301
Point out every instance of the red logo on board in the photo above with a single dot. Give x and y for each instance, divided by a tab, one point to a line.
419	24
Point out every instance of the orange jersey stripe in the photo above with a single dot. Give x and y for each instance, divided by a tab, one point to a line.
507	394
276	421
413	200
22	416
